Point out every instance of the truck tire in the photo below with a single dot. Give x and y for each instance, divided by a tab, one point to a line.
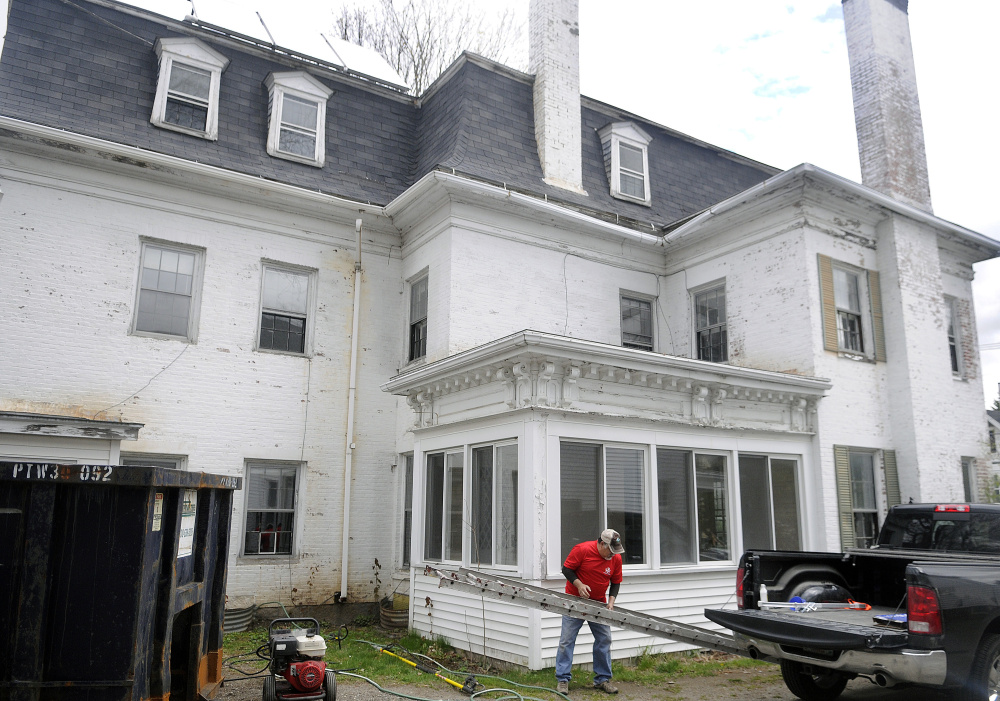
984	678
812	687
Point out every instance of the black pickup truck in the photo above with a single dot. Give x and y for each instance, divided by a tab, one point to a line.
922	607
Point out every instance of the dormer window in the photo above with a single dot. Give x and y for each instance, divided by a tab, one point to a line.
626	161
187	90
297	117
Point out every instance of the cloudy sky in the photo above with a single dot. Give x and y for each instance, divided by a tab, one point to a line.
765	78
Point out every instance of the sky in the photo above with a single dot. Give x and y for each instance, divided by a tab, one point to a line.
768	79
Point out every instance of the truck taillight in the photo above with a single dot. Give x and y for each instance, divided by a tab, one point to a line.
923	613
952	508
739	588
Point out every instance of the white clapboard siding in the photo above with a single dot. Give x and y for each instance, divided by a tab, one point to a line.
510	628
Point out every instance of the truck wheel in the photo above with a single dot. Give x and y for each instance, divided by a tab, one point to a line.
330	682
812	687
984	678
269	692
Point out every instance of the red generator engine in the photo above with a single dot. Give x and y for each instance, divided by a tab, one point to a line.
298	672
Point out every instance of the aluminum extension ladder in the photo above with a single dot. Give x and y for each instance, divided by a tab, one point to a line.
479	583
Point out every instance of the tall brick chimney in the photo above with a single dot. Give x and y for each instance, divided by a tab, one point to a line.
554	57
886	107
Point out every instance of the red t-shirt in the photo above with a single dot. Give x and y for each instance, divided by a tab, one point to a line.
593	570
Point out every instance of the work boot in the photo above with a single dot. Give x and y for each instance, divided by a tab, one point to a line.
607	687
562	687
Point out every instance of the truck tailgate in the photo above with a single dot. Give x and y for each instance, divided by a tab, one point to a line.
802	631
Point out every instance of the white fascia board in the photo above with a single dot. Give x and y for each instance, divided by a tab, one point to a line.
93	146
438	181
67	426
988	246
574	349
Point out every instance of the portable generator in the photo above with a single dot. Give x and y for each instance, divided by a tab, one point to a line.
298	672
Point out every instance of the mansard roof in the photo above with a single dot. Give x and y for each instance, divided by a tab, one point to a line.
89	67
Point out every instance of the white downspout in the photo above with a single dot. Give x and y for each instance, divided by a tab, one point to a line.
349	439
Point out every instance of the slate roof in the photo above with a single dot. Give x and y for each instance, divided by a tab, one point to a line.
91	69
995	415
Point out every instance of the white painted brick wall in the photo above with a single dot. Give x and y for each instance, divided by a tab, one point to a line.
71	256
554	57
886	105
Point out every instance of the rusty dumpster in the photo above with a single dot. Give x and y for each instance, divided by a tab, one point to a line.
112	582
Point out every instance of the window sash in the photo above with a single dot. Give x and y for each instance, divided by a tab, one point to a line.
418	319
187	97
407	508
713	508
637	323
953	341
444	503
769	503
631	171
271	507
711	333
494	505
675	502
166	291
864	506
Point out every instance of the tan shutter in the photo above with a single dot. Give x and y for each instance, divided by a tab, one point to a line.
828	303
875	292
892	496
842	469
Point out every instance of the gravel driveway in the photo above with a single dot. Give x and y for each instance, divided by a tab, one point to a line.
758	684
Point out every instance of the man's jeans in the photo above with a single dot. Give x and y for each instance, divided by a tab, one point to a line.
567	641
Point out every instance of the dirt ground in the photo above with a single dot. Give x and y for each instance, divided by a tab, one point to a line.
753	685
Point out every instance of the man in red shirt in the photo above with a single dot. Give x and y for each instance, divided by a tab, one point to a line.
589	570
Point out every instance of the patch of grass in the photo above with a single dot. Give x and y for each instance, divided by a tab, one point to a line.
359	657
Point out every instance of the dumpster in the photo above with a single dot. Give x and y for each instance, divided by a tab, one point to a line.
112	582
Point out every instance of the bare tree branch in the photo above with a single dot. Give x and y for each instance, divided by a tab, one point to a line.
420	38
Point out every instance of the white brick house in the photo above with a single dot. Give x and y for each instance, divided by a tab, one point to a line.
563	317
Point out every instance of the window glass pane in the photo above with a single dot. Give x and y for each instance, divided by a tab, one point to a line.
580	487
184	114
407	508
482	506
623	470
630	158
637	323
290	141
282	333
453	506
673	480
285	291
862	481
713	526
632	186
418	300
190	81
434	500
755	503
845	290
506	458
786	505
299	112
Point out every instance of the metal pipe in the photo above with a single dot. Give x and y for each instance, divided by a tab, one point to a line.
349	439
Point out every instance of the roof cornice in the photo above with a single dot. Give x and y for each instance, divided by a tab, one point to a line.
789	177
591	352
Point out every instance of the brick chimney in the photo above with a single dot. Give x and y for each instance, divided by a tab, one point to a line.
554	57
886	107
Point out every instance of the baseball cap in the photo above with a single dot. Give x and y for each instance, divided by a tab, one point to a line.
613	540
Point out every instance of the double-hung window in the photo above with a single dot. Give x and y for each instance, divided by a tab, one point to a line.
626	161
859	482
443	506
418	319
769	503
284	306
169	280
711	338
187	91
407	508
863	503
603	487
851	302
271	508
637	323
494	505
954	339
297	111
